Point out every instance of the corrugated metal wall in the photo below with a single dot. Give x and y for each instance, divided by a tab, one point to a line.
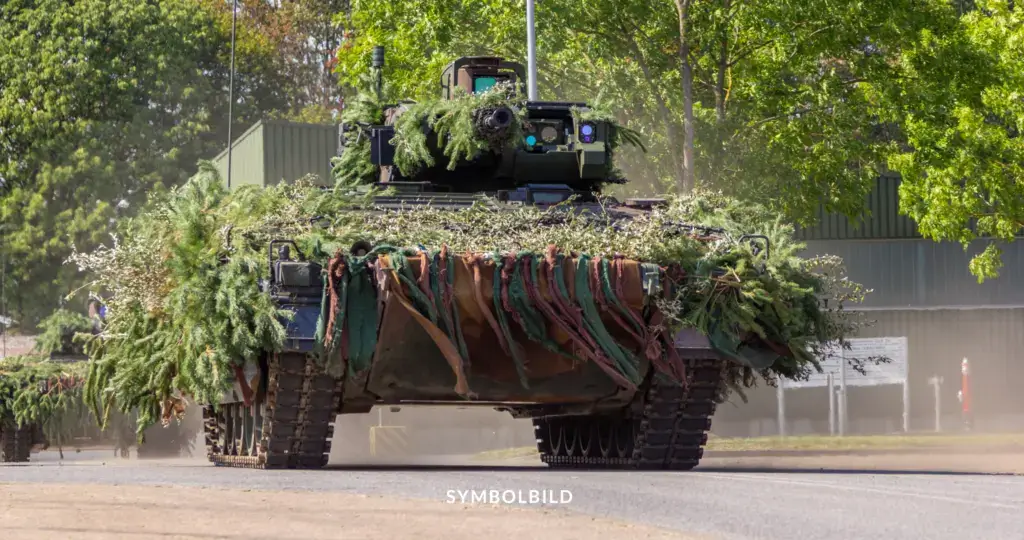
294	150
882	219
273	151
923	273
246	158
937	341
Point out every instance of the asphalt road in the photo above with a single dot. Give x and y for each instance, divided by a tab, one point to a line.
728	502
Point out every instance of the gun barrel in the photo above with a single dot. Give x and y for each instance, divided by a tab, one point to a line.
499	119
494	121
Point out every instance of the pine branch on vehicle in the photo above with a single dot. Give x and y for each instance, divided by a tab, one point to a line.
187	307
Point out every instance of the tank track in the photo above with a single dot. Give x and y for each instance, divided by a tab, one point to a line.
290	429
16	443
669	432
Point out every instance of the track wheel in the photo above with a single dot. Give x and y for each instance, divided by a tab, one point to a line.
556	436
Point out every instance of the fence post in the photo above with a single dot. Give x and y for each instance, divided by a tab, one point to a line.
842	393
936	383
780	394
830	382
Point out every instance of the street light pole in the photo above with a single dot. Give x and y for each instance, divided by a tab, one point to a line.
3	290
531	47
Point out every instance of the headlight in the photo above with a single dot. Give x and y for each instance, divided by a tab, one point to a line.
588	133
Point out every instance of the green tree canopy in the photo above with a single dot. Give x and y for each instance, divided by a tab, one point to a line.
962	111
101	103
801	105
778	91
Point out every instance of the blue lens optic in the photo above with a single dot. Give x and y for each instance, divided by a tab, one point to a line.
482	84
531	140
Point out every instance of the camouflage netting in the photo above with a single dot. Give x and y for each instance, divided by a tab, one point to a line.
186	308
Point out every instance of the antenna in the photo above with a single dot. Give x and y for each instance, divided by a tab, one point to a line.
531	47
231	85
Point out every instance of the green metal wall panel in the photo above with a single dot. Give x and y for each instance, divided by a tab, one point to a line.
883	220
246	158
923	273
293	150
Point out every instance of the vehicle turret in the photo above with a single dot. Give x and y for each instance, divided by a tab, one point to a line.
556	147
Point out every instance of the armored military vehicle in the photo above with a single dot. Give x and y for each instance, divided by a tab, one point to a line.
280	412
17	442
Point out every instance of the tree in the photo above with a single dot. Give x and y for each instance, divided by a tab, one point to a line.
800	104
314	21
101	104
771	100
422	36
962	114
776	97
288	47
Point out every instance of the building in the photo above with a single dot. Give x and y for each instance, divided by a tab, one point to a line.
275	151
922	290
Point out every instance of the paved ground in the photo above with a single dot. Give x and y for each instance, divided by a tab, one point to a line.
723	499
60	511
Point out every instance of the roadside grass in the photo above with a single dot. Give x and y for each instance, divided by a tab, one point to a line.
507	453
862	442
821	442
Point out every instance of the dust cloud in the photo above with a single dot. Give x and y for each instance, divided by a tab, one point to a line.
412	435
425	435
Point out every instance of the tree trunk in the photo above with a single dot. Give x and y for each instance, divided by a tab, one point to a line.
686	72
723	65
717	157
670	124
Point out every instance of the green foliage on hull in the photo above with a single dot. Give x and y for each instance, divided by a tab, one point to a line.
354	165
186	305
453	122
59	330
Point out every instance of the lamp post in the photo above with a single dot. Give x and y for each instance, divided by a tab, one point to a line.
531	48
4	319
3	289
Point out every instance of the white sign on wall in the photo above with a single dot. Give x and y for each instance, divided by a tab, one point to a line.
892	372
